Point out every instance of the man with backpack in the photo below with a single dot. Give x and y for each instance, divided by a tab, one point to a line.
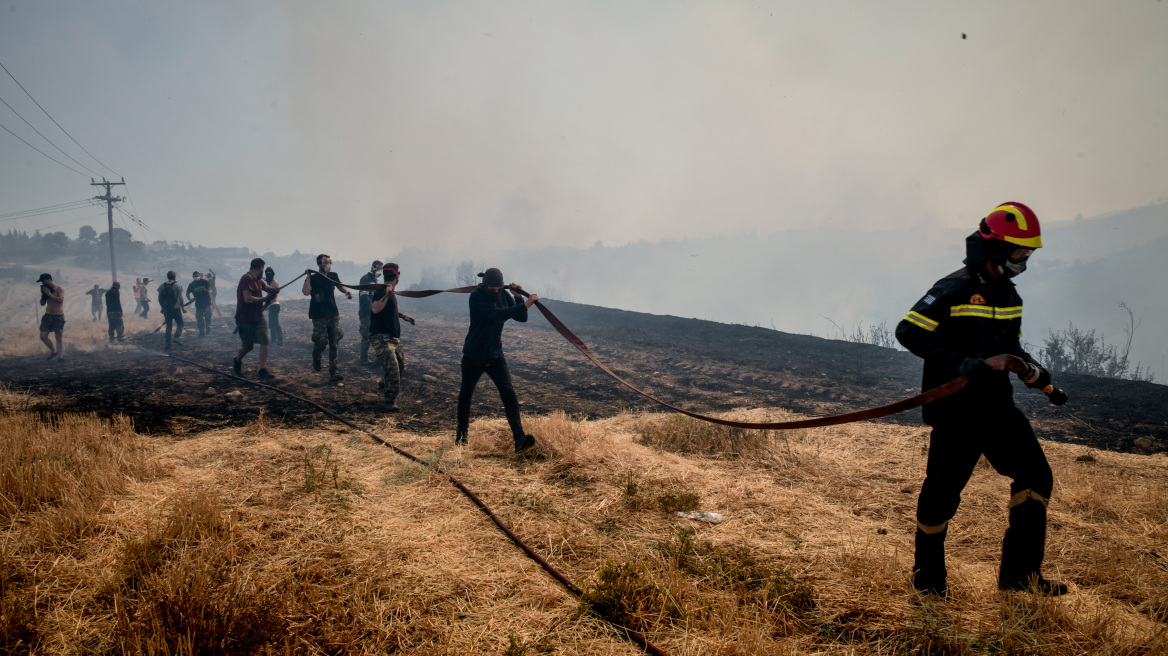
170	302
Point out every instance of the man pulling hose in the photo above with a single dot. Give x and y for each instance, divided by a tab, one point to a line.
966	317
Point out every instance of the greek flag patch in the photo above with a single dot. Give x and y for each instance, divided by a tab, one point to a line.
929	299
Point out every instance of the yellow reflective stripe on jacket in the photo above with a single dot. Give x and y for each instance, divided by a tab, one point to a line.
986	311
921	321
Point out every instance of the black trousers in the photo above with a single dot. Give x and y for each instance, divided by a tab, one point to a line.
277	333
1008	442
173	316
501	375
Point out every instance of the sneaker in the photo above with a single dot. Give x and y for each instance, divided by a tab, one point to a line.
1037	583
336	377
392	407
316	363
178	343
460	438
237	366
264	373
524	444
52	355
166	348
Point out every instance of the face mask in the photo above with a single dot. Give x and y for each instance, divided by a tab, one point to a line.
328	266
1012	269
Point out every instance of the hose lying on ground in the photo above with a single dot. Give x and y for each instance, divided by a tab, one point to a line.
632	635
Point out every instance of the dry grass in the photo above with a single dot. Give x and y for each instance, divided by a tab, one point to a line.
273	539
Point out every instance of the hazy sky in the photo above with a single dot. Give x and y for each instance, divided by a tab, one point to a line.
362	128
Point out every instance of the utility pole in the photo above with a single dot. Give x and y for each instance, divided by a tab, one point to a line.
109	205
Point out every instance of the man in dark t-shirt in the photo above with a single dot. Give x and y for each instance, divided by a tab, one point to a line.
322	309
385	336
365	300
199	290
250	304
113	311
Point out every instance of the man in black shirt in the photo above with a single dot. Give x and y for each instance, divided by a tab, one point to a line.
322	309
365	297
199	290
482	352
171	304
385	336
95	295
113	311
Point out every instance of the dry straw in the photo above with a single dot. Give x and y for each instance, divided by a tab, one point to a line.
269	539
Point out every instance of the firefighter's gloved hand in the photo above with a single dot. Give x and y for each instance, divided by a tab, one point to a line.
1057	397
975	368
1036	377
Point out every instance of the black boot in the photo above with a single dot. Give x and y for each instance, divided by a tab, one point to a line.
1022	551
929	575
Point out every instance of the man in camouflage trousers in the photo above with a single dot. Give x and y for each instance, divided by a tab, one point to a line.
322	309
385	336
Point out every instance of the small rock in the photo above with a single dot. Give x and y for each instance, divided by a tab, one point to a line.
907	489
429	379
1144	442
688	528
882	531
1086	457
235	396
711	517
178	371
210	391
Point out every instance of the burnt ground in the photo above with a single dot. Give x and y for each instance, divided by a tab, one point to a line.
700	365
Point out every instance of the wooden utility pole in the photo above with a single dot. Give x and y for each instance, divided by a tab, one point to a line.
109	205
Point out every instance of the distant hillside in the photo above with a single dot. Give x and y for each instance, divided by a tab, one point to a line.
808	281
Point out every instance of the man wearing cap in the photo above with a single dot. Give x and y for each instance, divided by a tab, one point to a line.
113	310
385	336
170	303
322	309
53	321
364	312
482	352
199	291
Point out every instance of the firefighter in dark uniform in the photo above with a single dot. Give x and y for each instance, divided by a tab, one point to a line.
969	315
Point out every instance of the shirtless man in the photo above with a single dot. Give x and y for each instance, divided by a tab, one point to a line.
53	321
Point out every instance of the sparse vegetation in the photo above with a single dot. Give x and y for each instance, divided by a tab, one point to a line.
682	434
877	334
1078	351
658	494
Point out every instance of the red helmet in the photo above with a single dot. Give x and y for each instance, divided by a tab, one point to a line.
1014	223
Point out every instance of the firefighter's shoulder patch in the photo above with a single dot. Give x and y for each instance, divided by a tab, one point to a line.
977	299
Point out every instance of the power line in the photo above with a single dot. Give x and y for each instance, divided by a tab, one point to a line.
46	138
140	222
32	216
47	207
43	152
54	120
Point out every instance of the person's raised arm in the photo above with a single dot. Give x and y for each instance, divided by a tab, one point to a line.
307	287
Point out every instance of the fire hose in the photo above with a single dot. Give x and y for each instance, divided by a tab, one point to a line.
632	635
1003	362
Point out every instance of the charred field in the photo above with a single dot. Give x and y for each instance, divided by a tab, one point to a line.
700	365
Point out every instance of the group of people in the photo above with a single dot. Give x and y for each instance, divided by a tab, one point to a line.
965	318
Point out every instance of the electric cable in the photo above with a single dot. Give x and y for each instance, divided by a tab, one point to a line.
43	152
46	138
36	210
55	120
